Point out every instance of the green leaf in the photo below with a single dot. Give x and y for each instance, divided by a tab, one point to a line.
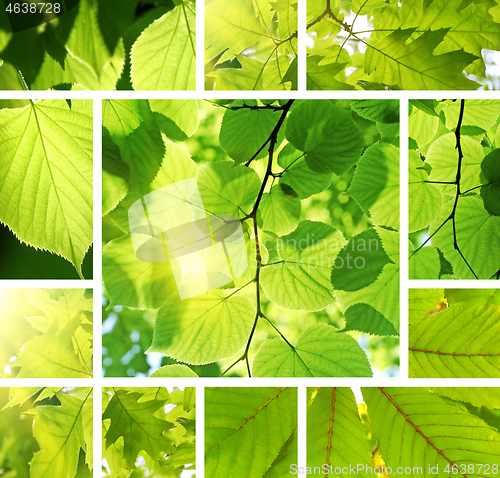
228	189
364	318
442	156
52	356
322	77
461	341
203	329
298	175
60	434
413	66
425	199
478	236
375	185
133	129
163	57
238	421
133	419
286	458
174	371
244	131
480	296
178	119
491	192
46	176
423	302
326	134
479	113
335	434
476	396
427	431
230	27
383	294
427	106
280	210
424	264
321	351
301	279
381	111
360	262
131	282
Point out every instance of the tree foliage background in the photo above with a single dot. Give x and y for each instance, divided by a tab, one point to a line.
127	332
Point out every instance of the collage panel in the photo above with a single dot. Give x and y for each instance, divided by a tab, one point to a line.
251	238
454	333
406	45
149	431
454	189
46	431
251	45
46	189
98	45
250	429
403	431
46	333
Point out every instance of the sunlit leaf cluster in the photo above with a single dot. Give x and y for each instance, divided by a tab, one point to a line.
46	432
408	44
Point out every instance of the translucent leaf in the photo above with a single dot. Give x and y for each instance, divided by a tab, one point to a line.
422	302
280	210
238	421
481	113
178	119
326	134
163	57
322	77
427	431
203	329
422	127
287	457
360	262
461	341
413	66
426	200
476	396
381	111
46	176
133	420
364	318
383	294
59	432
335	434
131	282
301	279
442	156
479	296
174	371
478	236
321	351
133	129
375	185
228	190
244	131
231	27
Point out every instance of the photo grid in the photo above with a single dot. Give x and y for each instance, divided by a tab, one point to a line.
296	213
